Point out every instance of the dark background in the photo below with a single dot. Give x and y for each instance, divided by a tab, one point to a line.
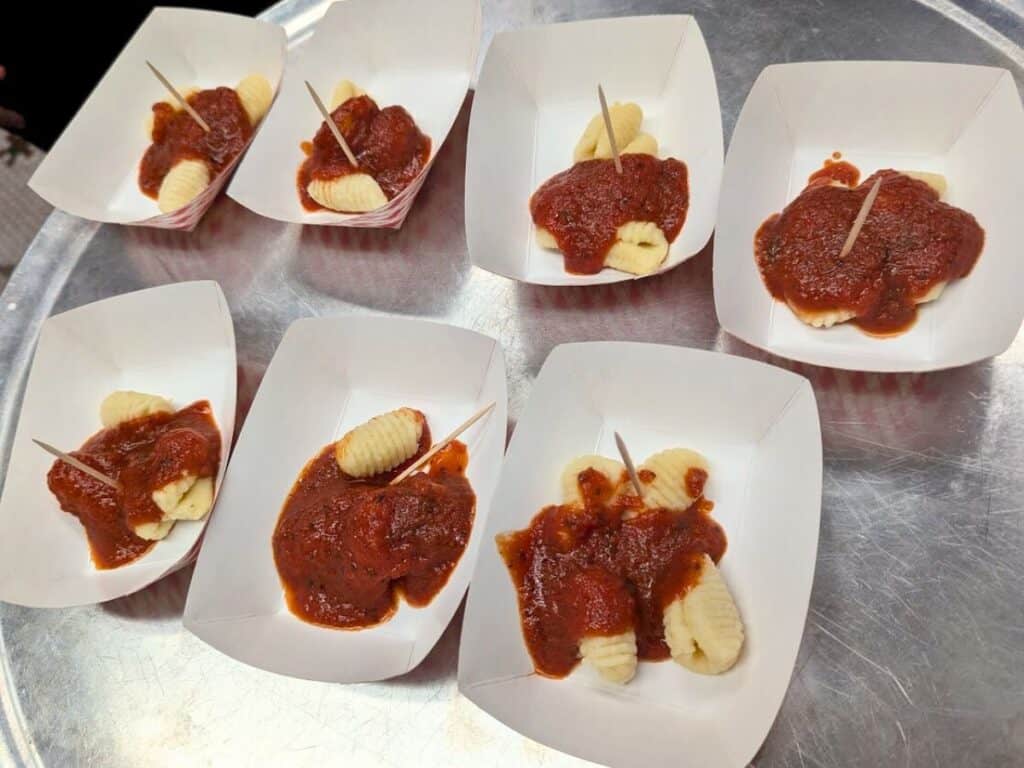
56	53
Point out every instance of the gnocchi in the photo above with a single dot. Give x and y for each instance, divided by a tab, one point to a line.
169	496
613	657
125	405
610	468
643	144
182	184
154	531
640	248
826	318
380	444
344	91
669	488
196	503
703	629
255	94
354	193
187	498
594	143
546	240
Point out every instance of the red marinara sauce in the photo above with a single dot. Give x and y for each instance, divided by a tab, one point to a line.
143	455
910	243
584	206
345	549
605	568
176	136
387	144
835	170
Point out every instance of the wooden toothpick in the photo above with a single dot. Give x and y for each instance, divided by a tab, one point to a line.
333	126
438	446
862	216
608	127
72	461
628	461
179	98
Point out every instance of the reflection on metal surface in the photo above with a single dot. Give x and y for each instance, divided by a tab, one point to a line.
916	628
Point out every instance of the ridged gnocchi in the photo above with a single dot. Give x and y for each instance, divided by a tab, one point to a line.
594	143
196	503
610	468
643	144
703	629
154	531
255	94
182	184
354	193
613	657
169	496
342	92
640	248
188	498
125	405
669	488
380	444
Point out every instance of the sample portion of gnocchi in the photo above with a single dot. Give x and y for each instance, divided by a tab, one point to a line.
350	541
381	444
389	148
611	576
600	218
703	629
184	158
164	462
911	245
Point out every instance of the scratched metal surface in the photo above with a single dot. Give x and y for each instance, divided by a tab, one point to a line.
914	646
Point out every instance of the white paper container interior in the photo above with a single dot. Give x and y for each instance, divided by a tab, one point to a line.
965	122
537	92
92	170
419	55
758	427
84	355
327	376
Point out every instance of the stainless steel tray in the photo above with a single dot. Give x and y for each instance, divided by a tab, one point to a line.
913	652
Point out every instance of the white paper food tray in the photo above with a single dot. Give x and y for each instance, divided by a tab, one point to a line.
92	171
537	92
177	341
327	376
965	122
758	427
419	55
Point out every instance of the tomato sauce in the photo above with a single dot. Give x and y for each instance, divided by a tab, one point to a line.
835	170
386	142
584	206
910	242
142	455
176	136
345	549
604	568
